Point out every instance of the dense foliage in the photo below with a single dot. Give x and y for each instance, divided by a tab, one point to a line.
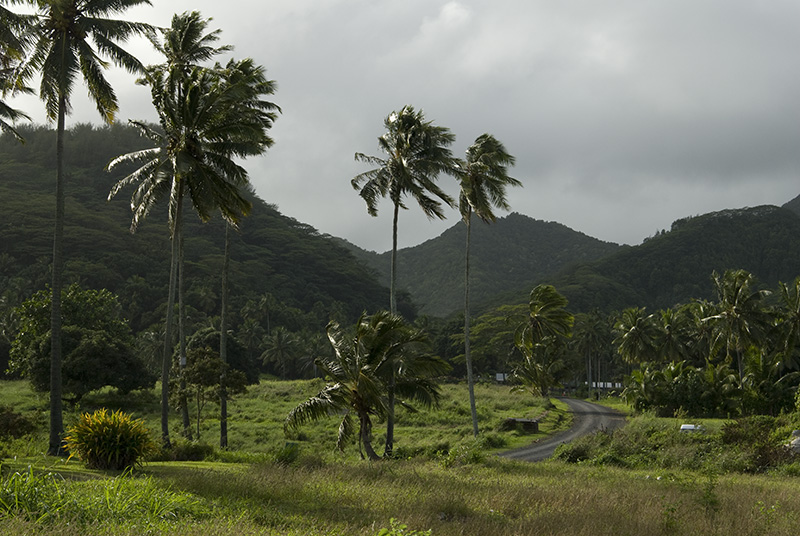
98	345
513	253
306	278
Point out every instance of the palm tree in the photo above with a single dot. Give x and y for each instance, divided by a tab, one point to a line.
208	118
66	39
592	338
483	177
637	336
548	318
357	376
281	348
541	338
790	322
740	319
13	31
416	152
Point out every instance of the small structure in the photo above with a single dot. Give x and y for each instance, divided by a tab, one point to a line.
529	426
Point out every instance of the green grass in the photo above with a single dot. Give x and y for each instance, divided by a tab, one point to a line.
255	422
446	482
497	497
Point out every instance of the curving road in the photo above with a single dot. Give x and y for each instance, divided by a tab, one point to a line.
587	418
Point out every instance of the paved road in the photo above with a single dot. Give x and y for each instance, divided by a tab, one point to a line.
587	418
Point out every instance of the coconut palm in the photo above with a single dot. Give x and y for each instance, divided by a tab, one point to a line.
548	319
637	336
66	39
357	375
741	318
416	152
483	178
208	118
281	347
13	33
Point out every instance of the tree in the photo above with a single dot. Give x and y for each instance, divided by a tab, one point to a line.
541	339
66	40
740	319
357	376
281	348
483	177
99	348
202	375
13	29
208	117
592	339
548	318
416	153
636	336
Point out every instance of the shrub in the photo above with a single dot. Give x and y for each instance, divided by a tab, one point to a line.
184	451
109	441
13	424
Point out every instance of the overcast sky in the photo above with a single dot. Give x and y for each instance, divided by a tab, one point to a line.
623	115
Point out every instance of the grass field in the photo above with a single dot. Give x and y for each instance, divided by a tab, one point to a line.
461	489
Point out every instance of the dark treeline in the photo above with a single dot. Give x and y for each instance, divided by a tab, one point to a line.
283	273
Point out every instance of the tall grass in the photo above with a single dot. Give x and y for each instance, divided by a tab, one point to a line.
497	497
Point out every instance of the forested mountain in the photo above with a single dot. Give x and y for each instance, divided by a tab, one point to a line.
271	253
676	265
509	254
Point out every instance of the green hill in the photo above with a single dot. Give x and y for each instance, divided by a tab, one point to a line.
511	253
271	253
675	266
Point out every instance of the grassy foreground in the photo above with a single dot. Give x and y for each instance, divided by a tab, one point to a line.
493	497
446	483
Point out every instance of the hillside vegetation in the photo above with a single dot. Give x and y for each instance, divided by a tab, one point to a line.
271	253
511	253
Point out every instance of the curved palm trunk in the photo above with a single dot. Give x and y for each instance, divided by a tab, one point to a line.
223	343
387	452
366	436
56	417
467	355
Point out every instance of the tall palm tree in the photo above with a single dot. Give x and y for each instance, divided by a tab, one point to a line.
66	41
208	119
741	318
483	177
357	373
416	152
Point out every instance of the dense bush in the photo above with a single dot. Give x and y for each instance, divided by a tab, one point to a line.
109	441
748	445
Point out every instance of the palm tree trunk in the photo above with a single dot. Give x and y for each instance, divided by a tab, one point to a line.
223	343
166	363
366	436
467	355
56	416
184	403
393	280
387	452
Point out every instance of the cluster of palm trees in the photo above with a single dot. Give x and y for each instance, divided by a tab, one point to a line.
738	354
209	116
415	152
